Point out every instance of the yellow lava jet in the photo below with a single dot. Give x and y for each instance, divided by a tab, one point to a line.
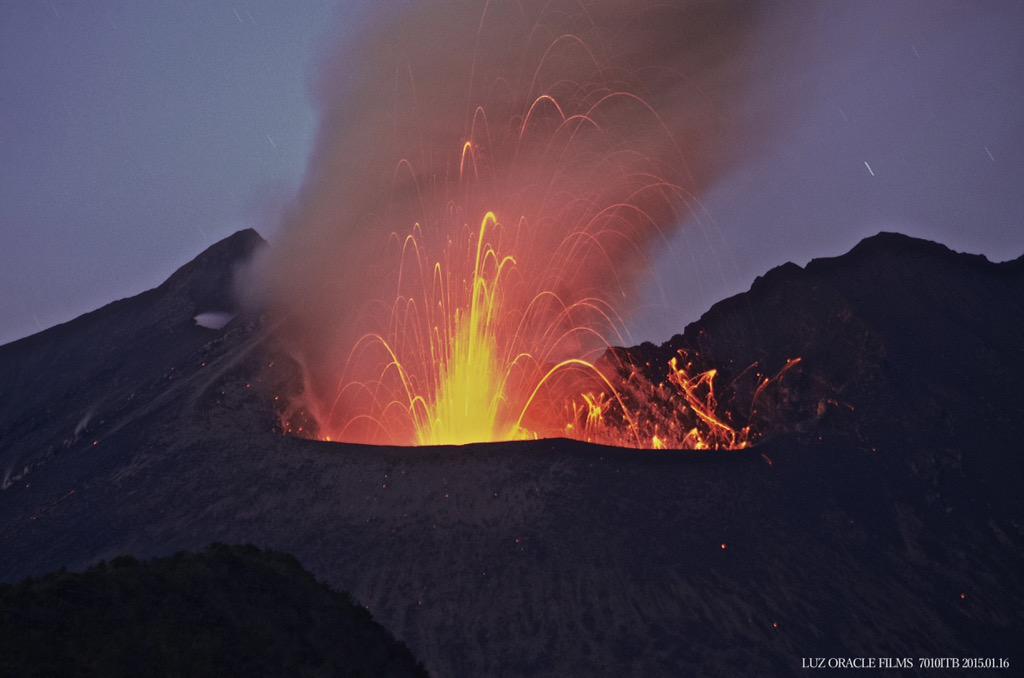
470	399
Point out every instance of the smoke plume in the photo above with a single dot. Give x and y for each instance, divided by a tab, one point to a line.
589	128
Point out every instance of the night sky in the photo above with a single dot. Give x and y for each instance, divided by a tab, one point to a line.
134	134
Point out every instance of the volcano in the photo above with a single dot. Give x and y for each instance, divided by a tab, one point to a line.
879	515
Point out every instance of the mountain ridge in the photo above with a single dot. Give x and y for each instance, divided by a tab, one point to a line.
230	251
555	557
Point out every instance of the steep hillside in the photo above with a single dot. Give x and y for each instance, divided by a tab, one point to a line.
227	611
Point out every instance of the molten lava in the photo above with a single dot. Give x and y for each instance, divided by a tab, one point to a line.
466	399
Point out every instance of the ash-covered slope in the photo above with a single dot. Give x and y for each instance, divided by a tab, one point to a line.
99	370
869	523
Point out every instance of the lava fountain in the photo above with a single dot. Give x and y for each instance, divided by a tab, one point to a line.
462	257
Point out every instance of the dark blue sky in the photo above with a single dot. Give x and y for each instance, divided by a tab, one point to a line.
133	134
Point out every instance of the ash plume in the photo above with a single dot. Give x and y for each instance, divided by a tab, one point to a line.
552	113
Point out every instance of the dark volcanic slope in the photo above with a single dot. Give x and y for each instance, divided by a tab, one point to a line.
909	350
228	611
892	528
108	365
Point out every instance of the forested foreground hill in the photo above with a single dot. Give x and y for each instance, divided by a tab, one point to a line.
227	611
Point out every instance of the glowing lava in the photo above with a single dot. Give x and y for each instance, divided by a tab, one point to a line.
469	358
469	399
